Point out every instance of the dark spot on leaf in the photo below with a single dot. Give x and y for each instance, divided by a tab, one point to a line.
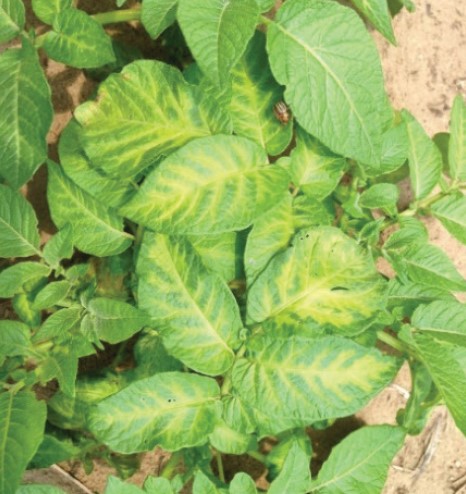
339	289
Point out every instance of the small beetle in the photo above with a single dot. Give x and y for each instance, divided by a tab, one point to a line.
282	112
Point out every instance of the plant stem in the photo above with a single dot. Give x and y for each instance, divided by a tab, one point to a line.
221	472
117	16
258	456
265	20
391	341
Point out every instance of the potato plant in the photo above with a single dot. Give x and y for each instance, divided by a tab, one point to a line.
212	280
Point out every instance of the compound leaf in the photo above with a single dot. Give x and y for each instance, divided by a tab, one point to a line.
217	32
78	40
457	142
444	320
359	464
12	17
323	54
451	211
172	410
296	381
97	230
254	94
324	277
26	114
378	14
157	15
211	185
193	307
143	112
18	225
22	421
424	158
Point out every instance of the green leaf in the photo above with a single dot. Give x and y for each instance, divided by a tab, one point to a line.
410	232
78	40
324	277
360	463
265	5
59	323
413	418
46	10
194	309
451	211
211	185
118	486
221	253
106	189
409	295
146	111
457	143
59	247
237	414
427	265
26	114
333	76
12	17
217	33
254	94
97	230
443	320
295	476
378	14
22	421
242	483
14	339
445	370
381	196
157	15
62	365
68	412
115	321
424	158
38	489
270	234
54	450
19	236
151	356
172	410
314	168
158	485
229	441
287	440
52	294
13	279
203	485
296	381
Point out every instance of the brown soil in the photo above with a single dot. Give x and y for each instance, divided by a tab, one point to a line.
423	74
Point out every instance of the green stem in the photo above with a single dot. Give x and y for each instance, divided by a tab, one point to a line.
221	472
258	456
391	341
171	467
265	20
118	16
